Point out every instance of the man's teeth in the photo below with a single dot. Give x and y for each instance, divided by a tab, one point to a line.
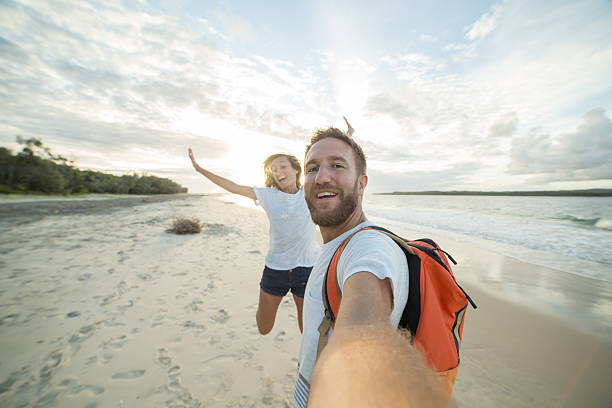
326	194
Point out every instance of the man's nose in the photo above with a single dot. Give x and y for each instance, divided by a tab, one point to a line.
323	176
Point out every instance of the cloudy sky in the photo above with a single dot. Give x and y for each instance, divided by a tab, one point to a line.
496	95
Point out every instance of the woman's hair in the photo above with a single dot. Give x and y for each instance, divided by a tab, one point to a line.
295	163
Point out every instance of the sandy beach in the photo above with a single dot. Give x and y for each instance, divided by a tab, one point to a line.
100	307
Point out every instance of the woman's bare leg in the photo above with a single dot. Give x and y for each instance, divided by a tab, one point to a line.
299	304
266	311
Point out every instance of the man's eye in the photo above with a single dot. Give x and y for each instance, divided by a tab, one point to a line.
311	169
337	166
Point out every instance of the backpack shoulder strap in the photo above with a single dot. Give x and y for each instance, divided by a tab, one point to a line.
331	289
398	240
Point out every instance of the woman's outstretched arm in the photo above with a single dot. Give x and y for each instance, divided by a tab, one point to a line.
223	182
350	129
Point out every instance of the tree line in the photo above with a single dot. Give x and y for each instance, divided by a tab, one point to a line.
36	169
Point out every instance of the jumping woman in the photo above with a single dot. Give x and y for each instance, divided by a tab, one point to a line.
293	246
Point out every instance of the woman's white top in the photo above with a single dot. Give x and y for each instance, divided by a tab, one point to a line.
293	240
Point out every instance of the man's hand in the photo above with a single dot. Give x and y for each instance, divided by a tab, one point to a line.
350	129
373	366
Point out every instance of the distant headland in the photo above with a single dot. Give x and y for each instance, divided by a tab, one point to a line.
595	192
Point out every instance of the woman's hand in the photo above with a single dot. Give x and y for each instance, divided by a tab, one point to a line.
222	181
350	129
193	160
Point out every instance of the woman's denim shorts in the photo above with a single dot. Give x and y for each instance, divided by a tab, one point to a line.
278	283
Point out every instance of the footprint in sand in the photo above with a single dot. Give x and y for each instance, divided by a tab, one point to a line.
113	344
174	385
8	319
194	305
67	382
122	256
174	379
210	288
84	276
128	375
7	385
174	370
52	363
92	390
220	317
83	333
107	300
129	304
280	338
49	399
245	353
193	325
121	287
163	358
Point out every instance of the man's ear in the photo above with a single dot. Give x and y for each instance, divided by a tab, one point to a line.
363	182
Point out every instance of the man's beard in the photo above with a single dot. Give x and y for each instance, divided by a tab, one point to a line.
339	214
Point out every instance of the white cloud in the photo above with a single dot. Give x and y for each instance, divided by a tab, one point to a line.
485	24
584	154
475	33
463	51
236	26
505	127
428	38
213	30
412	66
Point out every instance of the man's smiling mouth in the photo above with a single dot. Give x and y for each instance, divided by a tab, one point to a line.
326	195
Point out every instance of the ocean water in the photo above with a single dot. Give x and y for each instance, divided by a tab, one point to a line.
569	234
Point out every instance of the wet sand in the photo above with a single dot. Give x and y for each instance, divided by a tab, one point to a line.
100	307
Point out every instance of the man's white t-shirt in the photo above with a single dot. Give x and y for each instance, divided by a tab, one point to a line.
368	251
293	240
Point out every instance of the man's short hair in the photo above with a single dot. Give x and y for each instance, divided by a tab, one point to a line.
335	133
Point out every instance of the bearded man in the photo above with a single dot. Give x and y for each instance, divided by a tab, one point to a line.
366	362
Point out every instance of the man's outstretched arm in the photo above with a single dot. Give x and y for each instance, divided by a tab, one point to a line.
367	362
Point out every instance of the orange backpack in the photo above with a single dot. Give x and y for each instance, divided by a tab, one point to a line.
435	310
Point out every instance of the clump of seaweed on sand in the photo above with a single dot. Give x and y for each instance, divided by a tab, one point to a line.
184	225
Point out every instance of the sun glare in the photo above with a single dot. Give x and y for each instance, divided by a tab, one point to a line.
245	150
